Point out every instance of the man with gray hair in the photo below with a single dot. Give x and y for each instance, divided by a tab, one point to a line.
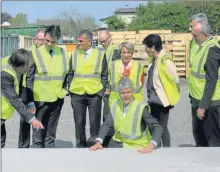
87	77
199	49
133	124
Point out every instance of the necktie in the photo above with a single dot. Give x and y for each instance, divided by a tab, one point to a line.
85	55
51	52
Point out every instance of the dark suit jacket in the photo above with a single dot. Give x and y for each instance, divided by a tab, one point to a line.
8	90
211	68
147	121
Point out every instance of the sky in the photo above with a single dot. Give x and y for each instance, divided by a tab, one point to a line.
50	9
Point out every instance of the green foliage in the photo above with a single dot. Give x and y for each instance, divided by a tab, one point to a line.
174	15
210	8
19	19
5	17
115	23
158	16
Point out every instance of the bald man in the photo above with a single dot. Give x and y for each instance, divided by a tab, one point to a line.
112	53
111	50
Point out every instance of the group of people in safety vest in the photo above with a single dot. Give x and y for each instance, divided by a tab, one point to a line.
35	82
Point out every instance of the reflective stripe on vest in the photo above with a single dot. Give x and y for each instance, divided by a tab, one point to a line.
7	109
134	125
191	49
198	74
97	66
44	70
113	79
110	54
50	75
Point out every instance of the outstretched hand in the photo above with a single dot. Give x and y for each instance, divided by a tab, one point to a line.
96	146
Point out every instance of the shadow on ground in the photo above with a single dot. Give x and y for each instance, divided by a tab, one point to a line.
63	144
186	145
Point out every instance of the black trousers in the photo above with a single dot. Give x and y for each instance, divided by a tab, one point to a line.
162	115
24	134
198	127
25	128
3	133
212	126
48	114
106	110
80	103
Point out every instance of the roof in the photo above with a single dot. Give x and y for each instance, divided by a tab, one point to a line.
121	10
103	19
125	10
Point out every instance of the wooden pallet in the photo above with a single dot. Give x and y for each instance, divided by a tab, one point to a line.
176	44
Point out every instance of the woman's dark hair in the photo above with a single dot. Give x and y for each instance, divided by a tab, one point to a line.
53	30
19	58
153	40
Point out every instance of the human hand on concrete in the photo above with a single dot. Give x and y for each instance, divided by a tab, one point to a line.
148	149
96	146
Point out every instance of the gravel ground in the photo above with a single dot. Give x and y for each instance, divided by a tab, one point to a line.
179	124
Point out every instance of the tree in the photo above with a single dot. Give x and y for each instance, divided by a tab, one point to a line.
72	21
5	17
115	23
210	8
175	15
156	16
19	19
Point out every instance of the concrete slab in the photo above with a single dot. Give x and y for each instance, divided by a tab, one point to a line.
111	160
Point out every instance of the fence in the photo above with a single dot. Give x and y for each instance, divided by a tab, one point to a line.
13	42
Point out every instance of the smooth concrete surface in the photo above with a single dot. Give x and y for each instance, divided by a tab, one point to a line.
111	160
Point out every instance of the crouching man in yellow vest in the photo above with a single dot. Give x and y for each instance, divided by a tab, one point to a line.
12	68
131	121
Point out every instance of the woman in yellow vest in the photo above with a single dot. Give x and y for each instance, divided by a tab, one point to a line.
126	67
162	84
12	68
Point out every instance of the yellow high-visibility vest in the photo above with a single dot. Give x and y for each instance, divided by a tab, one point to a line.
128	129
109	52
171	88
196	78
137	70
51	72
7	109
87	72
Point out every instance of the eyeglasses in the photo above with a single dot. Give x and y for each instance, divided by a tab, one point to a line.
104	41
52	42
